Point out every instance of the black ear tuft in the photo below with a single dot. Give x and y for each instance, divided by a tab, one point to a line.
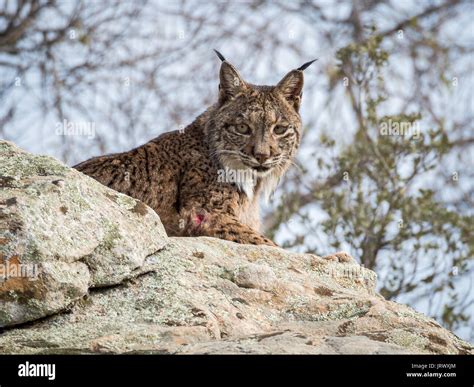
221	57
306	65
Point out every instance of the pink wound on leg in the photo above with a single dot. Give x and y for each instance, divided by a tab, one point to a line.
198	219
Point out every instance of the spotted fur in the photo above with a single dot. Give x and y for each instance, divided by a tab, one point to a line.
251	132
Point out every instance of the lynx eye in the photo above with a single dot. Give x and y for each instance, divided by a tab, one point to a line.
242	129
280	129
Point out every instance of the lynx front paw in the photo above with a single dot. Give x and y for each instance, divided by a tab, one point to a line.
340	256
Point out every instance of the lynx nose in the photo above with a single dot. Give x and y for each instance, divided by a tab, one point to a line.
261	157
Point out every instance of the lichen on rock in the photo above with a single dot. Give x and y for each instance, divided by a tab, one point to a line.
52	216
105	259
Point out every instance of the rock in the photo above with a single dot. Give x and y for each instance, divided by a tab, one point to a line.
289	342
182	295
254	276
70	232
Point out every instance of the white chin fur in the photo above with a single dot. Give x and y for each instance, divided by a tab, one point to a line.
269	183
247	187
247	179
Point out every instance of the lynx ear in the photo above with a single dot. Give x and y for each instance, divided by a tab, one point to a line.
291	86
231	83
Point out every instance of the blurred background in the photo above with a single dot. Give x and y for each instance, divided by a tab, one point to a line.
385	170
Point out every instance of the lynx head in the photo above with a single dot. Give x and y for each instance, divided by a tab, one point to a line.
256	128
